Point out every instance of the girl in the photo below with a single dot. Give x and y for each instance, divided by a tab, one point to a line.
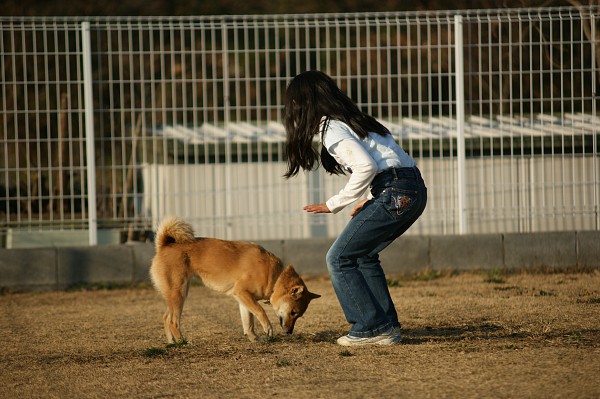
354	142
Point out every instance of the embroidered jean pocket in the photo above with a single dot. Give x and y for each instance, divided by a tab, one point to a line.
398	201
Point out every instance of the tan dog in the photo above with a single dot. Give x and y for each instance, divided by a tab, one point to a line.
244	270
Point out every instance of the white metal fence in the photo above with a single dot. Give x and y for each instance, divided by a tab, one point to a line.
112	123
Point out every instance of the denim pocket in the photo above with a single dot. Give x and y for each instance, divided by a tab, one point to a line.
398	201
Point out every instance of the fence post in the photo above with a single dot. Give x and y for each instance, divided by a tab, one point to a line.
89	132
460	122
227	124
594	114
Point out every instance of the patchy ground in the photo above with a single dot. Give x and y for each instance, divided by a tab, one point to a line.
466	335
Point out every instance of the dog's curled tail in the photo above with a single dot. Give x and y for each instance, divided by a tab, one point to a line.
173	230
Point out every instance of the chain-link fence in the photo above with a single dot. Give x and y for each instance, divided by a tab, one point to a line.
109	124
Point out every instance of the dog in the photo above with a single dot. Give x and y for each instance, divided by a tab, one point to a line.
244	270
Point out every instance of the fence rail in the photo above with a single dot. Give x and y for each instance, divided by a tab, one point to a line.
109	124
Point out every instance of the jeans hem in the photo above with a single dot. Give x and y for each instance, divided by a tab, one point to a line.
374	332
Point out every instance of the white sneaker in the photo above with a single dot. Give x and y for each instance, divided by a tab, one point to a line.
390	337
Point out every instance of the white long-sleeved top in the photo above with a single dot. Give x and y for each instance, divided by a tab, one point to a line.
362	158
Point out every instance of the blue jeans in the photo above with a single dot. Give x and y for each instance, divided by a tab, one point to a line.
399	198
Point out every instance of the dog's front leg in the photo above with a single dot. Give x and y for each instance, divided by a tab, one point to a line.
247	322
247	300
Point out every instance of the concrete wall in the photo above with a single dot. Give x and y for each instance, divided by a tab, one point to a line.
62	267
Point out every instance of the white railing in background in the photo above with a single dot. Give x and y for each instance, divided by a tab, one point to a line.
109	124
89	133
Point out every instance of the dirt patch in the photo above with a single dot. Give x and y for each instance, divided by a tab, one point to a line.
467	335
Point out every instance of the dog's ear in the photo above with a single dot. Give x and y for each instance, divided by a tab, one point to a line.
296	291
290	269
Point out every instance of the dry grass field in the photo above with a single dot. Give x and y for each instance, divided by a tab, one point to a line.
466	335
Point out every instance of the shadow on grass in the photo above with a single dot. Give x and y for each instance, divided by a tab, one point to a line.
328	336
419	336
456	334
492	332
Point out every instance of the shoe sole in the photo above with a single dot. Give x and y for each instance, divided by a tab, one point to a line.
384	341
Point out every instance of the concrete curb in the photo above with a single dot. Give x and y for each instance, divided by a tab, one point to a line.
58	268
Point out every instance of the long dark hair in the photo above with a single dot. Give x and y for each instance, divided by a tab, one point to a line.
309	97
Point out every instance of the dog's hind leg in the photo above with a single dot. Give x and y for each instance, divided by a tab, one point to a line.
172	318
247	322
167	323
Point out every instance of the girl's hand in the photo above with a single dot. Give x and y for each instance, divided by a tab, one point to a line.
358	207
317	208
